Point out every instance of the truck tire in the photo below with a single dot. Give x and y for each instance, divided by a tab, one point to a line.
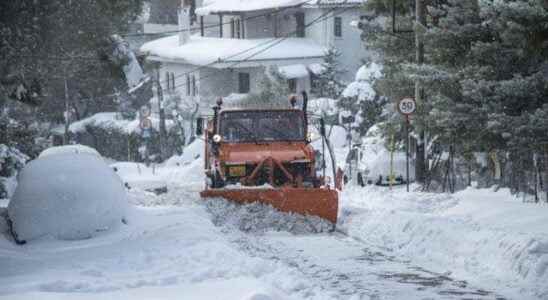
217	182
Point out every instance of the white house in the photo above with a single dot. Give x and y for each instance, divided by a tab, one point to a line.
230	55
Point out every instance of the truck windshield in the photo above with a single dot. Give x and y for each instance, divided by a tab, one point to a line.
255	126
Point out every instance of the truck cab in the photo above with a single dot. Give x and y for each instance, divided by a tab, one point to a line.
242	139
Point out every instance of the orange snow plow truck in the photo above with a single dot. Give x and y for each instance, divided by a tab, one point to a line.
265	155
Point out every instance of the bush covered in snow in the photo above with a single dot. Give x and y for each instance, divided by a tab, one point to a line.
67	196
11	161
118	138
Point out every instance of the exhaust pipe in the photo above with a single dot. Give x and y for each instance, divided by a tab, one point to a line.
305	109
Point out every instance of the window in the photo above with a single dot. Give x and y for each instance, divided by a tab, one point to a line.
187	85
338	26
292	84
299	18
173	81
194	91
243	83
238	29
232	28
170	81
313	81
253	126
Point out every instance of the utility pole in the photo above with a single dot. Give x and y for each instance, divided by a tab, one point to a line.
66	134
162	115
420	23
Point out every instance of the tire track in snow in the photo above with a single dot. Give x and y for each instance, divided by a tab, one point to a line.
345	267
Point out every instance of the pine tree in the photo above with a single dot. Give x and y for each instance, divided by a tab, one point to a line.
44	41
484	77
273	90
361	99
328	83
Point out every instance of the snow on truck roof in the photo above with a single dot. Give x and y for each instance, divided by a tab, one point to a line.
205	50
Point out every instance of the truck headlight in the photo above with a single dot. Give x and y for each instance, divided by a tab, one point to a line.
217	138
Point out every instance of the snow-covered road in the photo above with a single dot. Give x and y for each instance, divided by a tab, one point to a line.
344	267
389	245
178	247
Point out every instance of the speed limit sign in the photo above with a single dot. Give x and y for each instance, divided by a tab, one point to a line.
145	124
407	106
145	111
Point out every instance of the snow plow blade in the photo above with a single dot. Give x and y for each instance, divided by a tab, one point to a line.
323	203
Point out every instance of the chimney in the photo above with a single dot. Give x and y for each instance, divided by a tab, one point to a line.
184	22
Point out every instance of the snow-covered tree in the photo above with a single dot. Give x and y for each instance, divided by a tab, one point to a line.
484	77
273	90
328	83
42	42
11	162
361	99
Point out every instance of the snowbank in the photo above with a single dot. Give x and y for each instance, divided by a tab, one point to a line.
180	170
191	153
138	175
67	196
75	149
163	253
490	239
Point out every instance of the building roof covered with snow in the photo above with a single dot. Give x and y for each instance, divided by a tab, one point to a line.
236	6
324	3
224	53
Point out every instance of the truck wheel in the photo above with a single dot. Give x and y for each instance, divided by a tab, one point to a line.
217	182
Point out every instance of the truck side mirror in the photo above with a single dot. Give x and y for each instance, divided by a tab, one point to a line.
200	126
322	127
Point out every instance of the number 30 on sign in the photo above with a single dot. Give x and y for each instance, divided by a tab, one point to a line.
407	106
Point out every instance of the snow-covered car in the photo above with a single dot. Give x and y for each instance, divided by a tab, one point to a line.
76	149
375	163
67	195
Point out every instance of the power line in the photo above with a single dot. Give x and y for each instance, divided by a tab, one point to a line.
268	45
215	25
58	58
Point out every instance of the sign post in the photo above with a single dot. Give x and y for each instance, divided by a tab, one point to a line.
406	107
146	130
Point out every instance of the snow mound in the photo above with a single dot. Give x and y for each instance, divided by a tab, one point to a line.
67	196
258	218
191	153
75	149
485	237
